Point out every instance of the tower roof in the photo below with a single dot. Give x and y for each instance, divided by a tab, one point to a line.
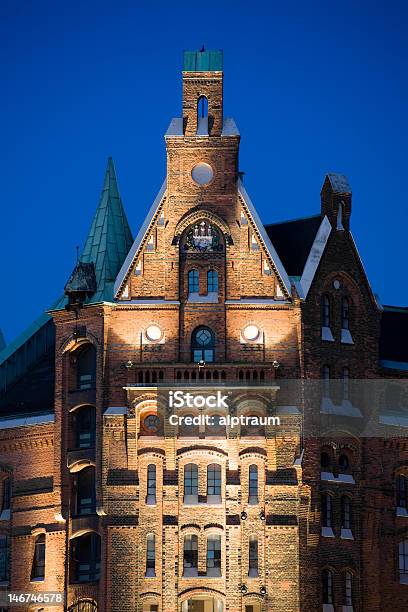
109	238
202	61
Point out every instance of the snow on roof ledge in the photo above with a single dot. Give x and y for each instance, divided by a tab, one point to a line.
339	183
315	255
176	128
24	421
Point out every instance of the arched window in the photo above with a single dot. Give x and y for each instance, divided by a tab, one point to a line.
348	589
150	555
190	558
4	558
214	555
402	492
346	383
253	557
327	584
213	483
403	561
325	305
86	557
84	427
190	483
253	484
84	605
86	367
38	566
212	281
84	489
345	313
345	512
202	108
193	281
202	345
151	484
327	510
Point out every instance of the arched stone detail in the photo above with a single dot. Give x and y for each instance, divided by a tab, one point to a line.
198	215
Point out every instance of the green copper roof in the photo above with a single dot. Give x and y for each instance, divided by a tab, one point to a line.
109	238
203	61
108	242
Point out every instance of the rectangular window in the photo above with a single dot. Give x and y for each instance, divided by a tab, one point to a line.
214	480
151	555
214	555
151	484
6	494
38	567
253	484
4	558
253	557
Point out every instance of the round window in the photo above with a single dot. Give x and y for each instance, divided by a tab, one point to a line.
151	423
251	333
202	173
153	333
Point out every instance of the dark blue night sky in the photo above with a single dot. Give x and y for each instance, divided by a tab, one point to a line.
313	86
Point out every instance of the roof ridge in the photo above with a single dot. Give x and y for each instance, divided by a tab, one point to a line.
390	308
293	220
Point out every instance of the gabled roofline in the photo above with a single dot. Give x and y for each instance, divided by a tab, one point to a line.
134	250
270	249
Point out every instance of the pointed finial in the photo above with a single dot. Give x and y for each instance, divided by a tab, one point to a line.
77	251
202	49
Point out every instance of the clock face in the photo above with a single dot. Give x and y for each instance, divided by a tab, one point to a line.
153	333
251	333
202	173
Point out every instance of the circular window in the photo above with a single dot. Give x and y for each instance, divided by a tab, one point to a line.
251	333
336	283
151	423
202	173
153	333
203	337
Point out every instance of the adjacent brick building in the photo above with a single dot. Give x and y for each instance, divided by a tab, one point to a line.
105	499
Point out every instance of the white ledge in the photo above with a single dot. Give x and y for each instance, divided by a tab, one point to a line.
346	337
327	335
346	408
340	479
327	532
115	410
346	534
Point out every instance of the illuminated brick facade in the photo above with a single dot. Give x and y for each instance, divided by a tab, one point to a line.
140	516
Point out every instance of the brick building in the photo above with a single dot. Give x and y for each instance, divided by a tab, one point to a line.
106	499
